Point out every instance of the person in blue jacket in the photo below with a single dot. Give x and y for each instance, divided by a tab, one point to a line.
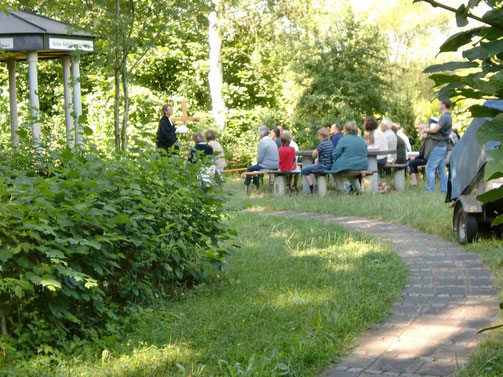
350	155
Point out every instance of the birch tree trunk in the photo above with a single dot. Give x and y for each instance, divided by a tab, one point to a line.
125	89
117	83
215	76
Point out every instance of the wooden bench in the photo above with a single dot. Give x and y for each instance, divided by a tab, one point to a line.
279	180
233	170
366	182
259	174
398	175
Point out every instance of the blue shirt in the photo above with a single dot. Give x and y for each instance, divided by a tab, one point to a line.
325	150
335	139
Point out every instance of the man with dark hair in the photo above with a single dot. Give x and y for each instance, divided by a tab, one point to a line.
436	161
335	131
166	133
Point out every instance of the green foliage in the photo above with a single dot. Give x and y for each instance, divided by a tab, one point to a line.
349	78
483	80
82	236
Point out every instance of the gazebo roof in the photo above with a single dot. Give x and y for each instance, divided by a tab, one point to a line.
22	31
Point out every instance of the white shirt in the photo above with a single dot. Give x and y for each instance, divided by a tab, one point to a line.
406	139
380	142
391	139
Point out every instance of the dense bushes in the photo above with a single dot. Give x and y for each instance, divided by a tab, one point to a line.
83	236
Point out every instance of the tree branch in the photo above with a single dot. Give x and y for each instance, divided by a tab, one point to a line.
436	4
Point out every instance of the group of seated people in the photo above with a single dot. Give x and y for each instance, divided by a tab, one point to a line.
338	152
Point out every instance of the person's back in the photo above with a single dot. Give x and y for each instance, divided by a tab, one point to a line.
350	154
380	142
219	153
325	149
267	156
392	144
401	151
287	158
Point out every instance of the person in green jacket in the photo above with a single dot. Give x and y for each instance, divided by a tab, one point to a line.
350	155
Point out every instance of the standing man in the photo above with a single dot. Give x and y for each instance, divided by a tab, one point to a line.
166	134
436	161
335	131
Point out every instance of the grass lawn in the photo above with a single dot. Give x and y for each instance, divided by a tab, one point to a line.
297	295
414	207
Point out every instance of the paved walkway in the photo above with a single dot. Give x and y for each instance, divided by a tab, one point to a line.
448	297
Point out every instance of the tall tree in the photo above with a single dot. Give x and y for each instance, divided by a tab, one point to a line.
215	76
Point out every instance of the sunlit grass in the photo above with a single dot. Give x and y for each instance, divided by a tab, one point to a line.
297	296
414	207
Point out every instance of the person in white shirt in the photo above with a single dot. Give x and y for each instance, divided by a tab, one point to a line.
375	138
401	133
386	125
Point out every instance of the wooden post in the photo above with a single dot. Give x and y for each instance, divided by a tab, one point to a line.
11	66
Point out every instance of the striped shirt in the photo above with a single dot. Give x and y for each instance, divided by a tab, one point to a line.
325	149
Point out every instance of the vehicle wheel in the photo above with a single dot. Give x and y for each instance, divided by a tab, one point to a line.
466	226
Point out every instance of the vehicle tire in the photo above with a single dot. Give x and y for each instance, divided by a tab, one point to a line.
466	226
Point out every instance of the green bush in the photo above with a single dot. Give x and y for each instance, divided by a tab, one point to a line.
82	236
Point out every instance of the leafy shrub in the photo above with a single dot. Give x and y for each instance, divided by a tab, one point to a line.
82	236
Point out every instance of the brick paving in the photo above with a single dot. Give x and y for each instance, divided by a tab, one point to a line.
432	330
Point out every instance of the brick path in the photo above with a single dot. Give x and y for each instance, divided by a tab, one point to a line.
448	297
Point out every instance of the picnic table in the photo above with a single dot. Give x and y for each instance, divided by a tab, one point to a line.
307	159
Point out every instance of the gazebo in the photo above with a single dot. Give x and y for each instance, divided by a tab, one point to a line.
28	36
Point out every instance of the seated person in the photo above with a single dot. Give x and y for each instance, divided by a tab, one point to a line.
335	131
391	141
202	149
275	135
350	155
288	161
324	152
375	138
267	155
420	160
217	150
401	146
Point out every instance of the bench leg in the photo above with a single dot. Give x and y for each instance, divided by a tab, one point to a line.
399	179
279	185
368	184
355	183
339	182
322	185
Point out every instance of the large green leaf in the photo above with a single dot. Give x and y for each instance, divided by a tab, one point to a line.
473	3
491	195
451	66
479	111
493	47
443	78
462	16
494	16
491	130
454	42
494	167
476	53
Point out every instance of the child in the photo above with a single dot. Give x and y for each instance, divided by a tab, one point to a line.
287	160
324	152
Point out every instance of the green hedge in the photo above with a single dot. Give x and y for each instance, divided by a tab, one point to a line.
82	236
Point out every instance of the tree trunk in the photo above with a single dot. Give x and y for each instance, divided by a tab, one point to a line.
215	76
117	82
126	104
4	324
116	109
